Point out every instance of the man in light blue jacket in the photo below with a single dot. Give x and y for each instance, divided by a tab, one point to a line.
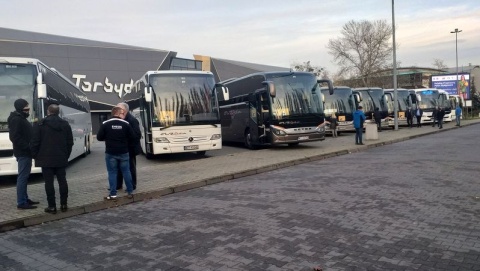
358	120
458	114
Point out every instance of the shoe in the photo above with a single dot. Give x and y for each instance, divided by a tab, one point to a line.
130	196
63	207
26	206
51	210
31	202
361	144
111	197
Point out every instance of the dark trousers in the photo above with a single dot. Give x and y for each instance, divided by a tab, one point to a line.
358	135
48	174
379	125
434	120
410	122
419	121
133	171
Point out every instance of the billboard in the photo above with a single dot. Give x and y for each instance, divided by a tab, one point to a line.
447	82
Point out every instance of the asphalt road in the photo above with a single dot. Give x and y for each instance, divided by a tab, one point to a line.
411	205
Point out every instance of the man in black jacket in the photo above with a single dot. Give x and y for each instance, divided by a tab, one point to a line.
133	149
440	115
377	115
20	133
118	135
51	147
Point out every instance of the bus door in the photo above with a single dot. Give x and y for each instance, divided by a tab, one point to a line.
254	120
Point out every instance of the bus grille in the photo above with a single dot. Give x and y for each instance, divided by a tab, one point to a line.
6	153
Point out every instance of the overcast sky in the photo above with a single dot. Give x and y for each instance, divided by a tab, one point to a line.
270	32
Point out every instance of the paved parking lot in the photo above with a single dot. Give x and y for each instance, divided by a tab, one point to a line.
412	205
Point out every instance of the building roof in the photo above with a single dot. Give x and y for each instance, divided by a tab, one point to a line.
7	34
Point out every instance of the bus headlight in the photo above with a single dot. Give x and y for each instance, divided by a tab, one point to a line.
321	128
161	140
216	136
277	130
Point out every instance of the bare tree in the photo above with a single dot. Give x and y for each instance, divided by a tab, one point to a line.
307	67
363	49
439	64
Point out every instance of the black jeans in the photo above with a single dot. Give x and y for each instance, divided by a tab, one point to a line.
48	174
133	171
419	121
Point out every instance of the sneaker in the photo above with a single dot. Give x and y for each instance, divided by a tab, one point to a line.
111	197
31	202
130	196
26	206
51	210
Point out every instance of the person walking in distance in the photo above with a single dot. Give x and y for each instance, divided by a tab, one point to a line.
440	115
458	114
133	149
333	125
20	133
418	114
358	120
434	115
118	135
377	115
51	146
409	117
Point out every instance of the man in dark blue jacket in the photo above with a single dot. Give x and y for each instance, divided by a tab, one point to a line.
358	120
118	135
133	150
20	133
51	146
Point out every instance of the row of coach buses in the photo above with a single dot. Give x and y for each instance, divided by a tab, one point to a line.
186	111
344	101
40	85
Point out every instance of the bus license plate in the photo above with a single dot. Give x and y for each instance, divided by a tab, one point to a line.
189	148
303	137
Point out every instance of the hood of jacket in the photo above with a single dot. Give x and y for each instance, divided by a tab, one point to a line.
52	121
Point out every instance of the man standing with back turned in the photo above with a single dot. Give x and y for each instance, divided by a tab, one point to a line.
358	120
118	135
51	146
20	133
134	149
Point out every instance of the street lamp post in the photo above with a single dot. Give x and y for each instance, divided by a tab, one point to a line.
456	55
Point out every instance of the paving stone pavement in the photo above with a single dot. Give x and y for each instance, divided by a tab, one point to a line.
412	205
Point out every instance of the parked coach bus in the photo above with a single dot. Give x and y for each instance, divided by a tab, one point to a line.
343	102
373	98
272	108
177	111
40	85
405	100
428	99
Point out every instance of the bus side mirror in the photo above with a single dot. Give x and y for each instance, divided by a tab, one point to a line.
41	91
270	88
148	94
223	90
418	98
329	83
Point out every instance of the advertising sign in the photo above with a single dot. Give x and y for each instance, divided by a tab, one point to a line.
447	82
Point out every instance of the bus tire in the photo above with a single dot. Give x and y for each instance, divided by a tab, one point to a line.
85	147
248	140
293	144
201	153
149	156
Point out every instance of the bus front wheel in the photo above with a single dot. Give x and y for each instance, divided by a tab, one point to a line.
201	153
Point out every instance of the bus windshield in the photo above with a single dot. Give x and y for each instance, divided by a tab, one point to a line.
16	81
183	99
341	101
403	100
429	99
295	97
373	98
